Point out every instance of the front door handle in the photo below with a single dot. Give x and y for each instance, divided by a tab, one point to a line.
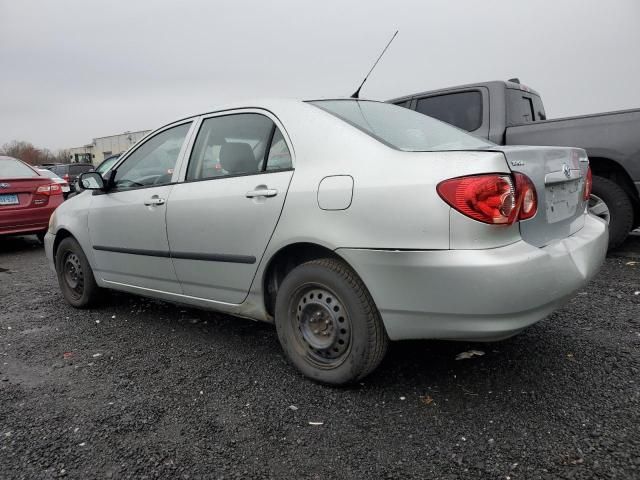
262	192
155	200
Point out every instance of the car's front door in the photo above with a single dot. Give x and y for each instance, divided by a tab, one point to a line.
127	224
220	220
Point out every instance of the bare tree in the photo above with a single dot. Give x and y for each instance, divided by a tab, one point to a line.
32	155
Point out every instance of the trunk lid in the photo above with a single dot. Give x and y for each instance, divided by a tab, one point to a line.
558	175
22	191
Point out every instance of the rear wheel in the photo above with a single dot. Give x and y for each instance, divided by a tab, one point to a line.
75	275
327	323
611	203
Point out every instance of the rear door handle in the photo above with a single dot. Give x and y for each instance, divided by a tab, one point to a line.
155	200
262	192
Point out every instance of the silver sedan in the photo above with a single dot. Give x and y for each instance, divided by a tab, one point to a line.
347	223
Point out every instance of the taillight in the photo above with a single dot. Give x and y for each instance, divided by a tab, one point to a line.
588	185
491	198
486	198
52	189
527	197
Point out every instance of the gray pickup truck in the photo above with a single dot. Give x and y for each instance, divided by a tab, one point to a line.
509	113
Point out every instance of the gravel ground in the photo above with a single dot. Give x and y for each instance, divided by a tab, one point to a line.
144	389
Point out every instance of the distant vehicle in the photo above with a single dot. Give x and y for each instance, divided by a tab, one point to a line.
106	164
394	226
509	113
27	198
63	184
69	172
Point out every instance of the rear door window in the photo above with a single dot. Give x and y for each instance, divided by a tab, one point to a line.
238	144
463	109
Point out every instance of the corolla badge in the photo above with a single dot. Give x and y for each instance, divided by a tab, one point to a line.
566	170
4	185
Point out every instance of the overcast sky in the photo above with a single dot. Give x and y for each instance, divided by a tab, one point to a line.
72	70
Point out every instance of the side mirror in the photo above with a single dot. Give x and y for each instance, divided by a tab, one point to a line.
91	181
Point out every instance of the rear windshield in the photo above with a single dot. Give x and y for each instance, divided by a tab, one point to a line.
12	168
78	169
401	128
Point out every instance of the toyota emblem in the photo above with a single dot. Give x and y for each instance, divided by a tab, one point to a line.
4	185
566	170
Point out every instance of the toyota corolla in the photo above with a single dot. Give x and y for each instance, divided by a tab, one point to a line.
347	223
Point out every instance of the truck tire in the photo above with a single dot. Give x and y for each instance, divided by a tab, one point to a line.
327	323
620	209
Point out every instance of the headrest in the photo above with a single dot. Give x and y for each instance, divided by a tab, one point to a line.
238	158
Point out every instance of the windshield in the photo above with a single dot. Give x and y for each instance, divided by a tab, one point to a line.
401	128
12	168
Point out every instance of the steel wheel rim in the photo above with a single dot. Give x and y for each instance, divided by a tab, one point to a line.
73	274
598	208
322	326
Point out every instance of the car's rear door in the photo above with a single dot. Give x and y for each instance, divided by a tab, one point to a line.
220	220
127	224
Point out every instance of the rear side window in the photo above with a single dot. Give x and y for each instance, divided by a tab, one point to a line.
12	168
237	144
524	107
464	109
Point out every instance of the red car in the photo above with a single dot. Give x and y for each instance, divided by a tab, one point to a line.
27	198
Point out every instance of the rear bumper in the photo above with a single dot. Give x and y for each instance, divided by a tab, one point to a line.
28	220
478	294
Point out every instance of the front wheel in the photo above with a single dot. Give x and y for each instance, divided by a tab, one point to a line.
75	275
327	323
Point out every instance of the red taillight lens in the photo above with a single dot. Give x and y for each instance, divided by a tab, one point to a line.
491	198
486	198
52	189
527	197
588	185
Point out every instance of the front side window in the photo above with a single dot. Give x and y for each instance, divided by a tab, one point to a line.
464	109
401	128
237	144
154	161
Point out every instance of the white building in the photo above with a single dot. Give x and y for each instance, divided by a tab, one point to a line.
103	147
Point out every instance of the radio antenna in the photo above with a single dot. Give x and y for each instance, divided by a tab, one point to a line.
356	94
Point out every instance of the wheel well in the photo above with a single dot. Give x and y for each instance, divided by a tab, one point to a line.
60	235
283	262
604	167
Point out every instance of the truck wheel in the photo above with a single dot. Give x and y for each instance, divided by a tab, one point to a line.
327	323
610	201
75	276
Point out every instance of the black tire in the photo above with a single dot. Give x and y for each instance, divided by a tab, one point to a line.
75	275
620	209
326	292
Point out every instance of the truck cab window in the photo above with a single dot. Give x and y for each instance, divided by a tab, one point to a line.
463	109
